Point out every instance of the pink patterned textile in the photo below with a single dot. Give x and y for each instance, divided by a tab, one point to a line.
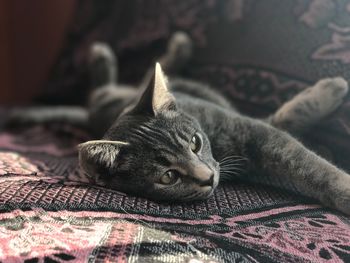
47	218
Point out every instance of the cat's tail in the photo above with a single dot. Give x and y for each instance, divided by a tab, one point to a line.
102	65
73	115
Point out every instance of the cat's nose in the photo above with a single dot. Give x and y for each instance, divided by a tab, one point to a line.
203	175
209	182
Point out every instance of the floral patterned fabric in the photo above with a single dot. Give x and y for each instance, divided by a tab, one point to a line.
47	215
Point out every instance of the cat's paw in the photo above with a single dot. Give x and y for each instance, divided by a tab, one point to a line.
100	51
312	105
338	194
342	202
329	94
180	45
344	206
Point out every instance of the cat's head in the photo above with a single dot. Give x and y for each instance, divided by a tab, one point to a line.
153	150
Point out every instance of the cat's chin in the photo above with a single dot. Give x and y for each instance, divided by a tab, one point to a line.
207	192
207	189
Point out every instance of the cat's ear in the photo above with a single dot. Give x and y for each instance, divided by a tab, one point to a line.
162	98
99	154
157	97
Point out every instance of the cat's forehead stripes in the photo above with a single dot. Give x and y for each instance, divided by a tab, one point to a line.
146	136
153	135
162	137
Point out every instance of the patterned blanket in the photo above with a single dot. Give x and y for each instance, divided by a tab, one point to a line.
47	217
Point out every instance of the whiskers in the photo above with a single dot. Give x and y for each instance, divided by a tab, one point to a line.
232	166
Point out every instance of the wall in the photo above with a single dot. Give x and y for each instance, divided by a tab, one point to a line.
31	35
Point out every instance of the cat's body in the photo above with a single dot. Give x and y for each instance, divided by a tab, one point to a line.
173	141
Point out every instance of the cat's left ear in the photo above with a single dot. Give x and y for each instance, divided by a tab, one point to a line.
157	97
94	155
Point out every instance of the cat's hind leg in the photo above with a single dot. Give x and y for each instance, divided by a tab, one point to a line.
178	53
103	69
102	65
108	98
310	106
176	57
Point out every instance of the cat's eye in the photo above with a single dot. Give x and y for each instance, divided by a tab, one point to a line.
196	143
170	177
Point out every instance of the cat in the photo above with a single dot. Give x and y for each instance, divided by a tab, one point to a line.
175	139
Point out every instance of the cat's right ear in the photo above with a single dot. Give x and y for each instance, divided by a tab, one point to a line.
156	97
99	154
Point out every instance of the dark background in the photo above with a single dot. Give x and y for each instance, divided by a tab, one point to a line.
258	53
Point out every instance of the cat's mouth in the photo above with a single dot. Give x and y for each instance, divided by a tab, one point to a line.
207	190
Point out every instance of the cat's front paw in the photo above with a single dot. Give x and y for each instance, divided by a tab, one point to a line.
330	93
338	193
342	203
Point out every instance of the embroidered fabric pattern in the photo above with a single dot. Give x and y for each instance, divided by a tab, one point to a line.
46	217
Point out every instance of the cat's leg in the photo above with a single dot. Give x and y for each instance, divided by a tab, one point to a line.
107	99
310	106
278	155
103	71
179	52
102	65
177	55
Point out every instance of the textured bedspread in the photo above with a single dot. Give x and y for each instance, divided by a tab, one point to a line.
45	218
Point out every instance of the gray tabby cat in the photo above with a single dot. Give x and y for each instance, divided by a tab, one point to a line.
174	140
